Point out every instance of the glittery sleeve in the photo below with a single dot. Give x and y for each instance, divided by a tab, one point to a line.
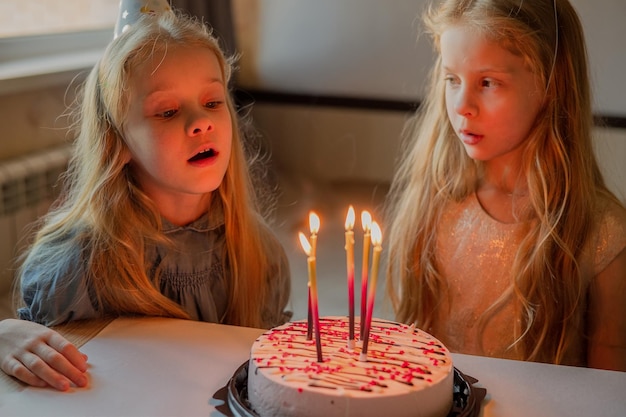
611	236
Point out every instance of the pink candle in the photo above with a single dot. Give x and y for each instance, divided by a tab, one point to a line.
350	273
366	223
377	242
314	227
313	292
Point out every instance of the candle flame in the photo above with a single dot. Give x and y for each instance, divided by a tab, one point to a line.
366	221
350	218
377	234
306	246
314	223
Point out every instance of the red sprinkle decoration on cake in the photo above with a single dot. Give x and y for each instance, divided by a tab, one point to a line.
390	358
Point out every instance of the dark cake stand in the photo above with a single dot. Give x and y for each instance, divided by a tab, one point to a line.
466	399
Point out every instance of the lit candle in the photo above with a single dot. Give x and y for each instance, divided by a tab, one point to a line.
377	238
366	223
314	227
313	294
309	318
350	271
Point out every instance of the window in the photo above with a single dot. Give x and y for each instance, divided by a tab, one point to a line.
41	17
50	41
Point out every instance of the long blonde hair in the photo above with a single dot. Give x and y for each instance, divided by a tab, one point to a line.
560	169
111	220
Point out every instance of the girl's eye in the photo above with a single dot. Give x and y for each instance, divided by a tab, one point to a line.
167	114
212	104
489	83
449	79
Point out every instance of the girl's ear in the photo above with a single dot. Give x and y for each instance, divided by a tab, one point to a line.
126	156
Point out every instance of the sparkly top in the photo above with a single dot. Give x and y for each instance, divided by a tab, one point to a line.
476	254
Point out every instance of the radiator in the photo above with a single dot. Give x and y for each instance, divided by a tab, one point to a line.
28	185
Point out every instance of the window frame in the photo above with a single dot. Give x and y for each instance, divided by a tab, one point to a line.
32	62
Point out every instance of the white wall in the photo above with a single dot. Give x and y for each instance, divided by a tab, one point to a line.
369	48
331	144
611	152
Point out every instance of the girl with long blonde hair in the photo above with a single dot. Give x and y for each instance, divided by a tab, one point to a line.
160	216
504	240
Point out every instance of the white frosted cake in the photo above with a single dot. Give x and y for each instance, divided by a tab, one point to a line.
407	373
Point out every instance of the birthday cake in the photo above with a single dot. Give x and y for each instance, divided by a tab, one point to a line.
407	372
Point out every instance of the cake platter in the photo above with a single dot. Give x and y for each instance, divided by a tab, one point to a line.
466	398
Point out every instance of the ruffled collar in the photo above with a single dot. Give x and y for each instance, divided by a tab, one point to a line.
206	222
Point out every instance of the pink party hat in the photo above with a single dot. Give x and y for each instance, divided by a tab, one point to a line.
131	10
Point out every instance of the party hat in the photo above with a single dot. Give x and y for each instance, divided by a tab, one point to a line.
131	10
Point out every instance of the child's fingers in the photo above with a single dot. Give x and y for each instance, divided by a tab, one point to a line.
59	368
68	351
38	355
29	366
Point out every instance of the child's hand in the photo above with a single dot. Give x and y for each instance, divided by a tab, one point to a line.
40	356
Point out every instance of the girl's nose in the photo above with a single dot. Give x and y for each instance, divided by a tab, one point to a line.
199	123
465	104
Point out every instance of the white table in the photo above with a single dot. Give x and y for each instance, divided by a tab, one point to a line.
169	367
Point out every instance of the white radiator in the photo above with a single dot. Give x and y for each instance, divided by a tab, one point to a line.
28	185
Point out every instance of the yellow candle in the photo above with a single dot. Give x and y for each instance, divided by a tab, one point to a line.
313	294
314	227
312	282
376	240
349	225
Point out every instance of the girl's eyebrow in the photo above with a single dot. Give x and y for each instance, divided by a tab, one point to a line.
165	87
499	70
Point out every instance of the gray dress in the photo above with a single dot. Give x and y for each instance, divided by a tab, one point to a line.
192	272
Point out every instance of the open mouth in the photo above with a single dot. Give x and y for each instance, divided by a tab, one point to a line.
209	153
